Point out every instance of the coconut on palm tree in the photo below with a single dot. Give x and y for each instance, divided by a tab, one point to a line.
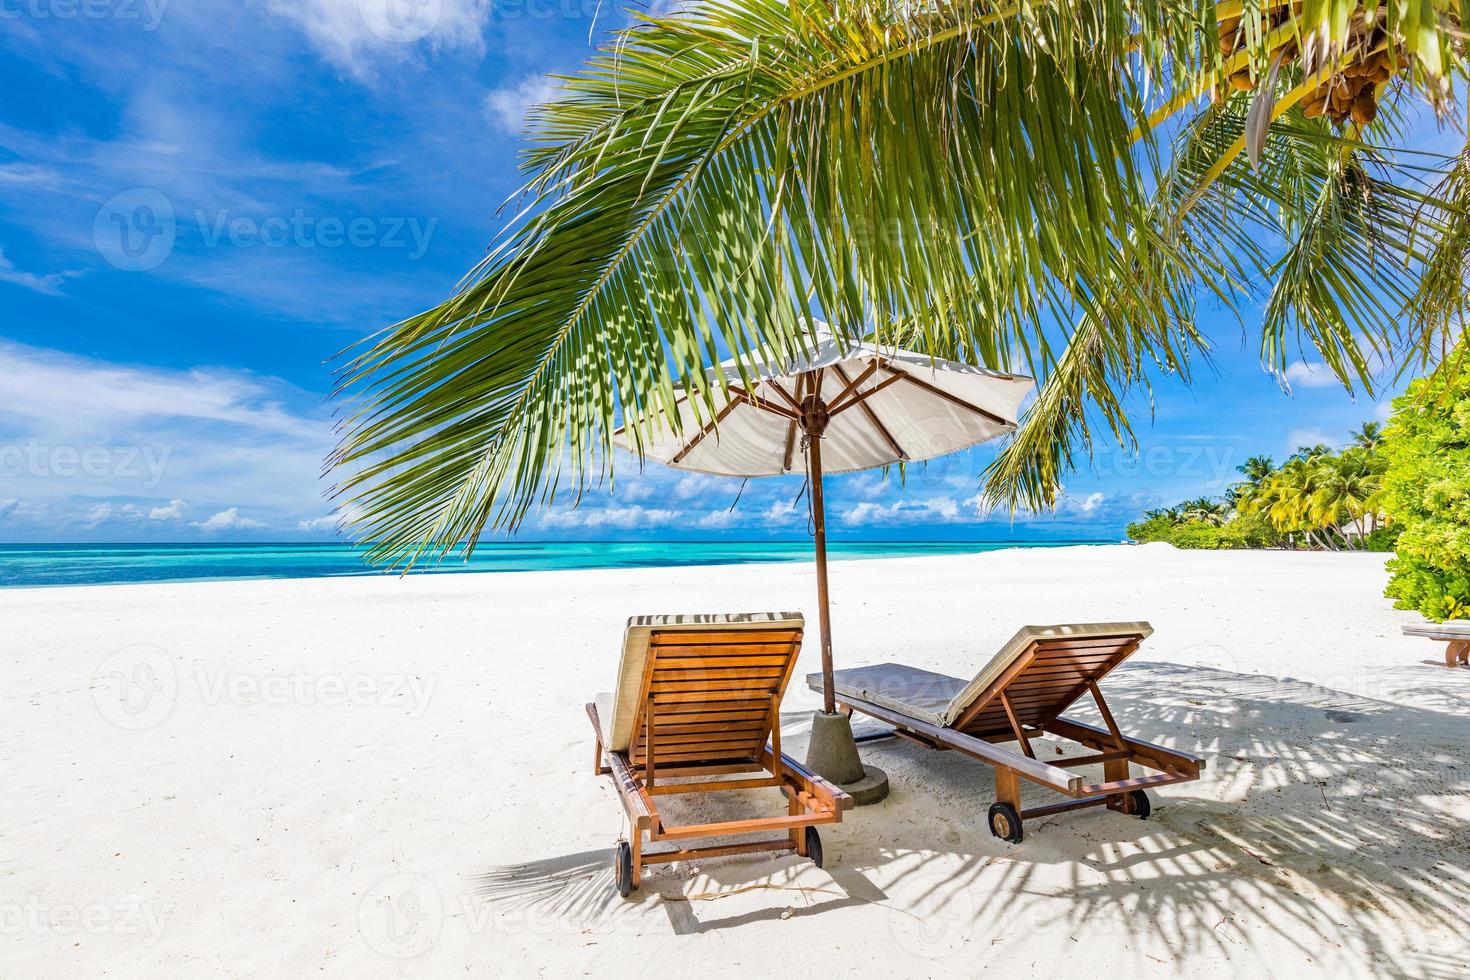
1044	185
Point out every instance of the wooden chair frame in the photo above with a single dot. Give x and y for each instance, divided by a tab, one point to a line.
702	747
1116	751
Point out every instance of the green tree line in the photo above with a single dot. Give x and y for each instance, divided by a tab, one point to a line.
1403	487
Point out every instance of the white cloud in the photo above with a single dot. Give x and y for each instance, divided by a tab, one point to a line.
781	512
354	35
506	106
48	284
97	514
719	519
1297	438
328	523
623	518
228	520
1088	504
72	392
869	486
1310	374
29	175
8	506
173	512
932	510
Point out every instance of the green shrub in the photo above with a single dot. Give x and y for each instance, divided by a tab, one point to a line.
1241	531
1157	528
1426	494
1383	538
1203	536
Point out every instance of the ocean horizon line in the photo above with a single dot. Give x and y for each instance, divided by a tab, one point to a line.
55	564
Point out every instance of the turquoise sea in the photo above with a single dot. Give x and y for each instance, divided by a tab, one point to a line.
112	564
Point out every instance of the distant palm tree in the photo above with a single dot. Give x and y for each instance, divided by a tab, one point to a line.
1347	492
1309	453
1036	183
1205	510
1368	436
1256	470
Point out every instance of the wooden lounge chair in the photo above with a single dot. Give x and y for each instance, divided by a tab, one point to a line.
700	696
1455	634
1018	696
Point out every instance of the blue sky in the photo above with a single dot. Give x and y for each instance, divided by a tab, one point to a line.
311	170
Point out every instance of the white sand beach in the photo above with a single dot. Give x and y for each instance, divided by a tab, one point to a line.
384	777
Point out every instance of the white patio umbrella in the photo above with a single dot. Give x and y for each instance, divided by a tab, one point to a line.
852	406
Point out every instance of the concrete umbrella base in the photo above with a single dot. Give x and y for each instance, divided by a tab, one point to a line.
833	755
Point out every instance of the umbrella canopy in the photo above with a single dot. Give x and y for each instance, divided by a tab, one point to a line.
883	406
844	407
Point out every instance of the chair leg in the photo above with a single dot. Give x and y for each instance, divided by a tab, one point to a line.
1008	787
1114	770
798	834
636	840
597	767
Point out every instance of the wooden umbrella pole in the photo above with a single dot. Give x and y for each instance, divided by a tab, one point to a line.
819	520
814	423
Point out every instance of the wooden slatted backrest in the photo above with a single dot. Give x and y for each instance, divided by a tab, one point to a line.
1046	680
716	694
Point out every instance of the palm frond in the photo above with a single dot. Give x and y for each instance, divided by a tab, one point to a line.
980	173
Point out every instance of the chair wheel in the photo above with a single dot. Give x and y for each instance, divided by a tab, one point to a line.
1005	822
1139	804
814	846
623	868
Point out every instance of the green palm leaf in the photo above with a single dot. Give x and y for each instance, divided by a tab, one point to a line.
986	177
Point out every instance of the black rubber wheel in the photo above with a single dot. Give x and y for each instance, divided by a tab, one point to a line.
1005	822
623	868
814	846
1139	804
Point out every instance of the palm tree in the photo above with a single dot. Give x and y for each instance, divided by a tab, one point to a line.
1285	498
1347	491
1047	184
1205	510
1307	454
1256	470
1368	436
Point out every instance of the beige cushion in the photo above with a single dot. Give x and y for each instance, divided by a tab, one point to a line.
920	694
622	705
1441	631
940	699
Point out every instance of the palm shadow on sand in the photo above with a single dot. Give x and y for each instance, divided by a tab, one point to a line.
1322	821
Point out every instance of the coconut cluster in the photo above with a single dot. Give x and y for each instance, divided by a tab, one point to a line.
1352	92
